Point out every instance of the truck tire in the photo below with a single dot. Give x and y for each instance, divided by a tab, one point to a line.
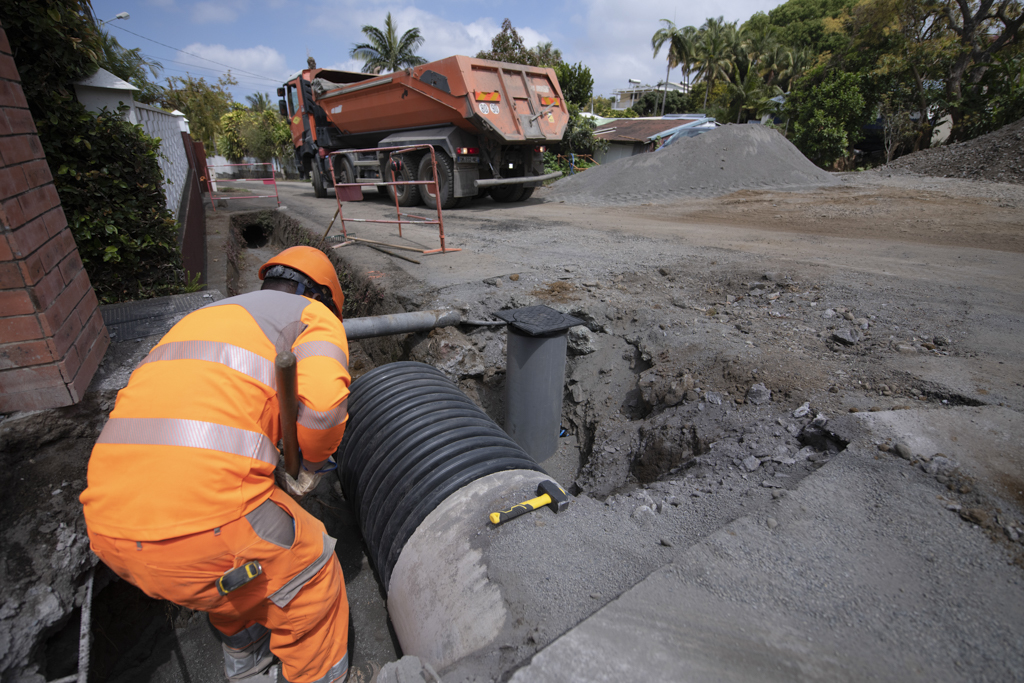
318	183
343	172
506	193
445	181
407	195
527	193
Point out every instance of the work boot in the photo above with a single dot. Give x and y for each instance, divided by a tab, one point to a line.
246	653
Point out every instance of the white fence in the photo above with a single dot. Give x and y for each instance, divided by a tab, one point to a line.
171	156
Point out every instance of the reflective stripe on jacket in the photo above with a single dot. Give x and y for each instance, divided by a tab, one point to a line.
191	442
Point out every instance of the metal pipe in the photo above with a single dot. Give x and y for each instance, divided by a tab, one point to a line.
491	182
400	323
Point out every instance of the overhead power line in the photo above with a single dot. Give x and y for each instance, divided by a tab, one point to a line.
171	47
193	68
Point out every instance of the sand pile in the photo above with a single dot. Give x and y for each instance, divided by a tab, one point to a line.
998	156
730	158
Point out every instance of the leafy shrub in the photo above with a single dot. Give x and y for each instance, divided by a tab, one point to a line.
104	168
109	185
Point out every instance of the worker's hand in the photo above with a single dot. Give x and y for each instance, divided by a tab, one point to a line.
298	488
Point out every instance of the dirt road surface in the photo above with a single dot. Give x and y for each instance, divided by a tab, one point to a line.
712	323
796	413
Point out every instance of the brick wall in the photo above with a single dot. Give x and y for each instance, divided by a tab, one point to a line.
52	337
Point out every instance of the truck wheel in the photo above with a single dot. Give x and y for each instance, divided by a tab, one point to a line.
318	183
506	193
445	182
527	193
407	195
343	172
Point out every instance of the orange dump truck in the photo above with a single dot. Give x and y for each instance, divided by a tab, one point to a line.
489	122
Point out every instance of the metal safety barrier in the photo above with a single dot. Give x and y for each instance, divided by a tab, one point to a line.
347	192
212	183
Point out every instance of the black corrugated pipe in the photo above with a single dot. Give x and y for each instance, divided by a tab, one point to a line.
413	439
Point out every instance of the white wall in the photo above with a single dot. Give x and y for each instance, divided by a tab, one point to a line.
171	155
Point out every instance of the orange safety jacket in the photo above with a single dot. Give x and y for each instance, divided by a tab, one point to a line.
191	442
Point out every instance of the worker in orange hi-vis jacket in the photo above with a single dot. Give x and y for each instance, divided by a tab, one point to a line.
182	499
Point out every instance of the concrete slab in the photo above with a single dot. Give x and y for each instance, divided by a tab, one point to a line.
842	583
984	441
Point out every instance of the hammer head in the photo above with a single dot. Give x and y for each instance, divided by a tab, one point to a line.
559	498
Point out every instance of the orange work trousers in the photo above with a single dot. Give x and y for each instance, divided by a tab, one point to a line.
309	634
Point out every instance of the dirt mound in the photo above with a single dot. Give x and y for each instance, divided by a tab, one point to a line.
998	156
724	160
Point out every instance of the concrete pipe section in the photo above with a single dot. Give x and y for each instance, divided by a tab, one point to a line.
422	466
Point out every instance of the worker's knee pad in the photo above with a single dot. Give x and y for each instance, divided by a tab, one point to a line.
246	653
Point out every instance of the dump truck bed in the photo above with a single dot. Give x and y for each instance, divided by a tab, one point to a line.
508	103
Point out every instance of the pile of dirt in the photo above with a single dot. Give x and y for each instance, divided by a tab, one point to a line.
998	156
721	161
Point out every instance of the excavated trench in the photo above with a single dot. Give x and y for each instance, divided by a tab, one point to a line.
624	436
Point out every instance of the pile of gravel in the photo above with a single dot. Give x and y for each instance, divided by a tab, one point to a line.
998	156
730	158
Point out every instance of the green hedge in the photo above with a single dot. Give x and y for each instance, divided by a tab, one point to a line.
104	168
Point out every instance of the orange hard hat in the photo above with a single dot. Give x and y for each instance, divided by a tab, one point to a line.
315	265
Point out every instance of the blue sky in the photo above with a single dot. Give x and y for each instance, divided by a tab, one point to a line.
265	41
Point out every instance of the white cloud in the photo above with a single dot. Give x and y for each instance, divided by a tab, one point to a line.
246	63
614	38
347	65
214	13
442	37
611	37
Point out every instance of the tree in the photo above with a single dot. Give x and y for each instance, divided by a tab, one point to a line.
545	54
104	168
747	92
803	24
576	82
827	117
258	133
201	102
897	124
672	35
132	66
579	134
603	107
259	102
1003	103
507	46
386	52
982	28
714	53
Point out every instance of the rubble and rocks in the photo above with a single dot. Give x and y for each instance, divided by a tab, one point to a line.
997	156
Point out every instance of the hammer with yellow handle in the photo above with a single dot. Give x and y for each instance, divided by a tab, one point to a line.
548	493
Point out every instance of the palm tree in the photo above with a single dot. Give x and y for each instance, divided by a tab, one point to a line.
714	53
386	52
798	62
745	88
685	44
666	34
258	102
